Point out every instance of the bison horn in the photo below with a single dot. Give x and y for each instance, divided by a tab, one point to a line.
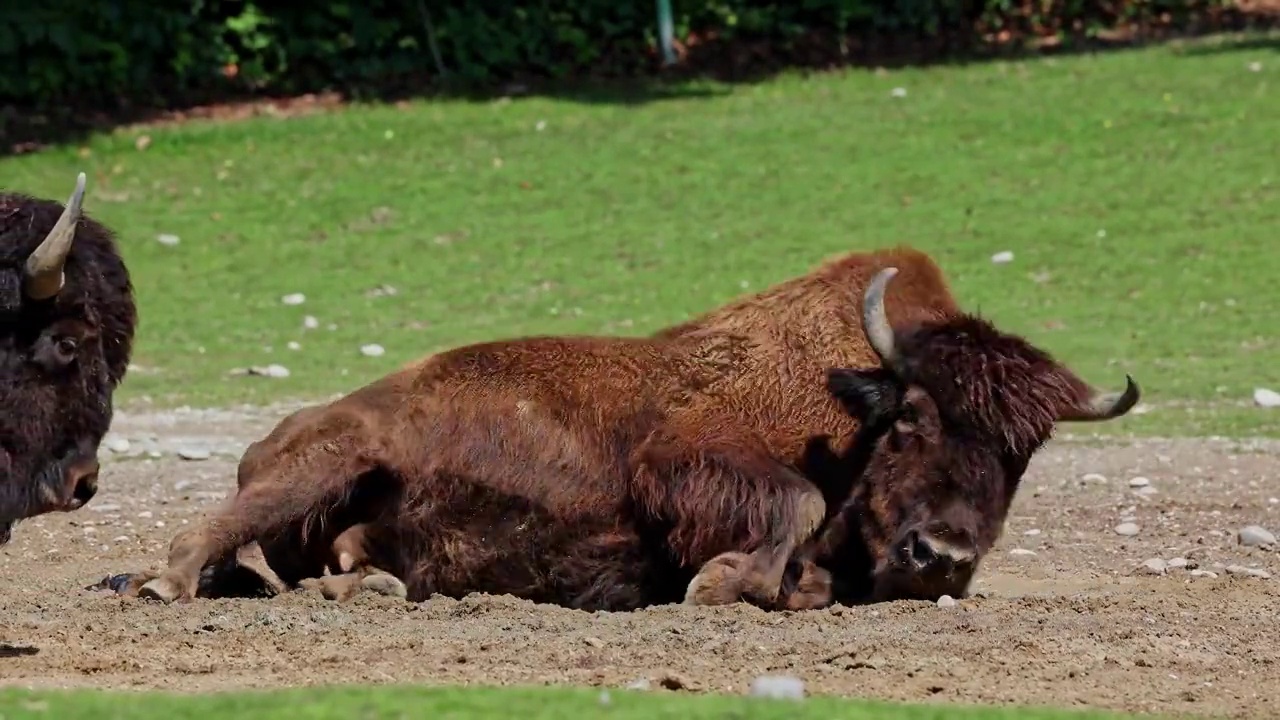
875	322
44	266
1104	406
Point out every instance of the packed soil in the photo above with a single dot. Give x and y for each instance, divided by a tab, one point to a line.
1079	623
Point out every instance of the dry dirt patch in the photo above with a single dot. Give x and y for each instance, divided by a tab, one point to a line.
1071	625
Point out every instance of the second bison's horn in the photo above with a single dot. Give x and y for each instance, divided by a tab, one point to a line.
1104	406
875	322
44	277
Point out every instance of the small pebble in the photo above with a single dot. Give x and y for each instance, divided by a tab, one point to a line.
1251	572
1254	535
641	684
1023	552
1093	478
372	350
104	507
117	444
1204	573
195	454
294	345
898	92
1032	532
1002	257
1127	529
310	322
293	299
1255	66
167	240
183	485
1266	398
1154	566
946	601
1177	563
782	687
1139	482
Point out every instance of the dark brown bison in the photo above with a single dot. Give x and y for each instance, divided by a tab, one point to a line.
948	424
67	320
605	473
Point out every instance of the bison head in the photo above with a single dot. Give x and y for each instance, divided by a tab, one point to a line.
952	418
67	317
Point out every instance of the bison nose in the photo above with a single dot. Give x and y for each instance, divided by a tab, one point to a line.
920	550
931	555
82	484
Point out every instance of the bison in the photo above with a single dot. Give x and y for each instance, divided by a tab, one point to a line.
615	473
67	319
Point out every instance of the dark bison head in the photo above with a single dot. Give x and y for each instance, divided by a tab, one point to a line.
953	417
67	319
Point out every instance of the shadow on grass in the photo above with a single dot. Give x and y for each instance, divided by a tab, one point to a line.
706	68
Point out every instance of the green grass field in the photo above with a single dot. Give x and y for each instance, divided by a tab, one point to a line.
1139	192
458	704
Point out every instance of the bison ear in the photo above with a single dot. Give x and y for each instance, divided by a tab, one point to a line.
871	396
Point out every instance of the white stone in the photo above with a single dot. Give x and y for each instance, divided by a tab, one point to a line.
372	350
194	454
784	687
1002	257
1254	535
946	601
293	299
1154	566
1127	529
1138	482
1266	398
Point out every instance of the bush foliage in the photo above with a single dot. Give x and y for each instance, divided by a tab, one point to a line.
101	52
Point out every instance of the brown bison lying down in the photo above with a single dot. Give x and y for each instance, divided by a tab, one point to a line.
67	319
787	449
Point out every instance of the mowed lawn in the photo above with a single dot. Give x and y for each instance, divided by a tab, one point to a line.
1139	193
344	703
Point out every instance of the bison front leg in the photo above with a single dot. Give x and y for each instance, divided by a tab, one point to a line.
290	481
736	514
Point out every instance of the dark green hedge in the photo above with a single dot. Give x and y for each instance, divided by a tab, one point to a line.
102	52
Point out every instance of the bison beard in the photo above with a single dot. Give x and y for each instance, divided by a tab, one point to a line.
67	318
709	462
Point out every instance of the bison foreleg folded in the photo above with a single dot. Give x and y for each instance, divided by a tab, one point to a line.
296	476
735	513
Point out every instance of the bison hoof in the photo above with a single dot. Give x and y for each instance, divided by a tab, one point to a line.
162	588
385	584
719	582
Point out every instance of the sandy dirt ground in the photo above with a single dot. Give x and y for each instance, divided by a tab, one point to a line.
1066	613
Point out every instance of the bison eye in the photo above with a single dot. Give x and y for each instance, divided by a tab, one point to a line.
67	346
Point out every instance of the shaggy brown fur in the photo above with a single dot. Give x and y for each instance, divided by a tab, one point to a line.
596	473
64	347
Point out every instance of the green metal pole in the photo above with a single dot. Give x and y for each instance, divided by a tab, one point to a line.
666	32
